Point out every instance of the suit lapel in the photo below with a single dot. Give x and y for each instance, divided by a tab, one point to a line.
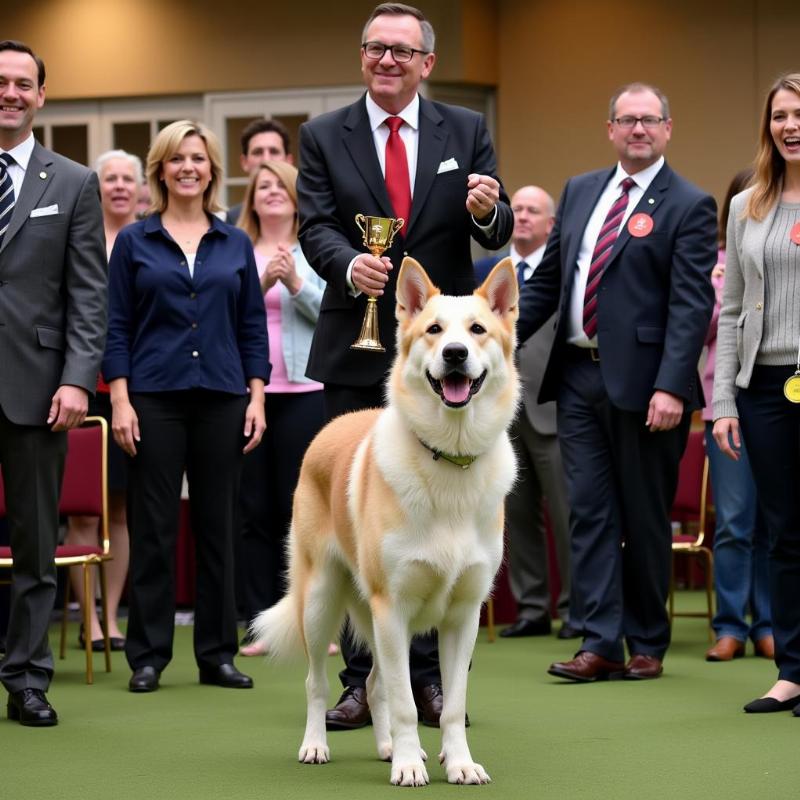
360	143
430	148
583	211
648	203
33	186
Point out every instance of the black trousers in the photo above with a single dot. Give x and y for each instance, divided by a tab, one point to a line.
771	428
621	481
202	432
33	466
269	478
424	654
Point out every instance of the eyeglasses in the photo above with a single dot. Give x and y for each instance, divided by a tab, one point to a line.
401	53
648	121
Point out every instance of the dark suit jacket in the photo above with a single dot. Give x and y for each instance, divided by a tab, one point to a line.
340	177
52	288
533	355
655	299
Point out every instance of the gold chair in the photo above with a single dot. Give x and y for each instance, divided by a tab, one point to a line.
84	492
690	513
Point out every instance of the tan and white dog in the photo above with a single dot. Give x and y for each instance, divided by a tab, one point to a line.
398	519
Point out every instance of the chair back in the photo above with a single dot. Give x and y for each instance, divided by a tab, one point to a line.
84	489
692	495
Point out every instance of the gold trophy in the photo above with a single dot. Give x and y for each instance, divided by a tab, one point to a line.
378	233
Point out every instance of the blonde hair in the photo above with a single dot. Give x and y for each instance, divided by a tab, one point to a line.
166	144
287	175
769	165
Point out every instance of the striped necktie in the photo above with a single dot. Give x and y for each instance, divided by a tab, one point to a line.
600	255
6	193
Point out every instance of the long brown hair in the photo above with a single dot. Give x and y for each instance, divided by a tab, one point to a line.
287	175
769	165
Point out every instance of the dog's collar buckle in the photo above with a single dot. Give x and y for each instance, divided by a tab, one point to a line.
465	462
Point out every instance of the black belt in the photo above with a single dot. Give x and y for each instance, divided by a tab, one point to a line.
575	353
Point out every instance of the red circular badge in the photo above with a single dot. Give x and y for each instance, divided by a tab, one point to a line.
640	225
794	234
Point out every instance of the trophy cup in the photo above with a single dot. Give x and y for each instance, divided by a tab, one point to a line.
378	233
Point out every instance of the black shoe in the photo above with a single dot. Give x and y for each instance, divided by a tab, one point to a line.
767	705
527	627
566	631
225	675
30	707
144	679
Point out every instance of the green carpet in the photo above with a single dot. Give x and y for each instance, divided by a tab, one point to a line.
684	736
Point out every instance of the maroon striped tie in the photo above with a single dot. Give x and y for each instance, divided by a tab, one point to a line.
602	251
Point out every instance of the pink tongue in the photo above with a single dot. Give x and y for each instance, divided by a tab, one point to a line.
455	388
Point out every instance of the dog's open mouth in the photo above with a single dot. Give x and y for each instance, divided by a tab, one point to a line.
456	388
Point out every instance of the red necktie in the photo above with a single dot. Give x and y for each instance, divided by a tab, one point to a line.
398	184
600	255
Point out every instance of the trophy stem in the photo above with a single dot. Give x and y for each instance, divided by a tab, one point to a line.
369	338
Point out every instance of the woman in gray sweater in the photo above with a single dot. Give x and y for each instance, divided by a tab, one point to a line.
757	380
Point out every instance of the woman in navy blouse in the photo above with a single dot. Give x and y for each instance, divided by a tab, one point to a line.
186	340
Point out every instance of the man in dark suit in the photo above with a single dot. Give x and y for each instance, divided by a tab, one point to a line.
627	266
540	472
262	140
438	165
52	332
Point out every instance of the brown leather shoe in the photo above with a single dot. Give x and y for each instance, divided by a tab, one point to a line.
429	705
587	667
642	668
726	649
765	647
350	712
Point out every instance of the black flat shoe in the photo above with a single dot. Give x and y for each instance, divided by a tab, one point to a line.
30	707
796	711
144	679
768	705
225	675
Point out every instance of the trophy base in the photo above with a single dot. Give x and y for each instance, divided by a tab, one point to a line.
371	345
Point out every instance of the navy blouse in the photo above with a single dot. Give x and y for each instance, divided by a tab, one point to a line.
168	330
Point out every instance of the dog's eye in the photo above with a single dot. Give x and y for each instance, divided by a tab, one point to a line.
435	328
477	329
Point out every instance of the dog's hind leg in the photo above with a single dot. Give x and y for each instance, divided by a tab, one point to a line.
392	640
323	610
457	636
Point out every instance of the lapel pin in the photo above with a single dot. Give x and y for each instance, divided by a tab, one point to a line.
651	201
42	175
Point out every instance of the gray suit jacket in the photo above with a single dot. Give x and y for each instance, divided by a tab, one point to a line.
741	320
533	357
53	278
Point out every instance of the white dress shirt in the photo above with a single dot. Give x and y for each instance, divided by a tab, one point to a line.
21	155
642	180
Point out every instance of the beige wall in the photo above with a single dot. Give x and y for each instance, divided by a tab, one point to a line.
560	62
554	63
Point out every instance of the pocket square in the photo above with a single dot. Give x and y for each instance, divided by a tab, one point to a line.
45	211
447	166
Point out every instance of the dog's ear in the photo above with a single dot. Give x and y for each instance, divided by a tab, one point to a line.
500	289
414	289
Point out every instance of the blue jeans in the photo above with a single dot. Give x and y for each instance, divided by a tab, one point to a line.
741	544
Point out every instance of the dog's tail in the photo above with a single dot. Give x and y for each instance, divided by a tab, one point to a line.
277	629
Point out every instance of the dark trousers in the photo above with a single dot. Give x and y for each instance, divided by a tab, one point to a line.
424	654
33	466
201	432
771	427
269	478
621	480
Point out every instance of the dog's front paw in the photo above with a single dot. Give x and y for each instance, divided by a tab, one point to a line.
385	752
464	771
311	753
411	773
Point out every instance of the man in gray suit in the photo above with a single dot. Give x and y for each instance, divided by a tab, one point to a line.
534	433
52	334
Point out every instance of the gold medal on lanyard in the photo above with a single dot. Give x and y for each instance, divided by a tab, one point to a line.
791	389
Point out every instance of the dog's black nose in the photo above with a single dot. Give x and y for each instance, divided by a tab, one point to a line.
455	353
